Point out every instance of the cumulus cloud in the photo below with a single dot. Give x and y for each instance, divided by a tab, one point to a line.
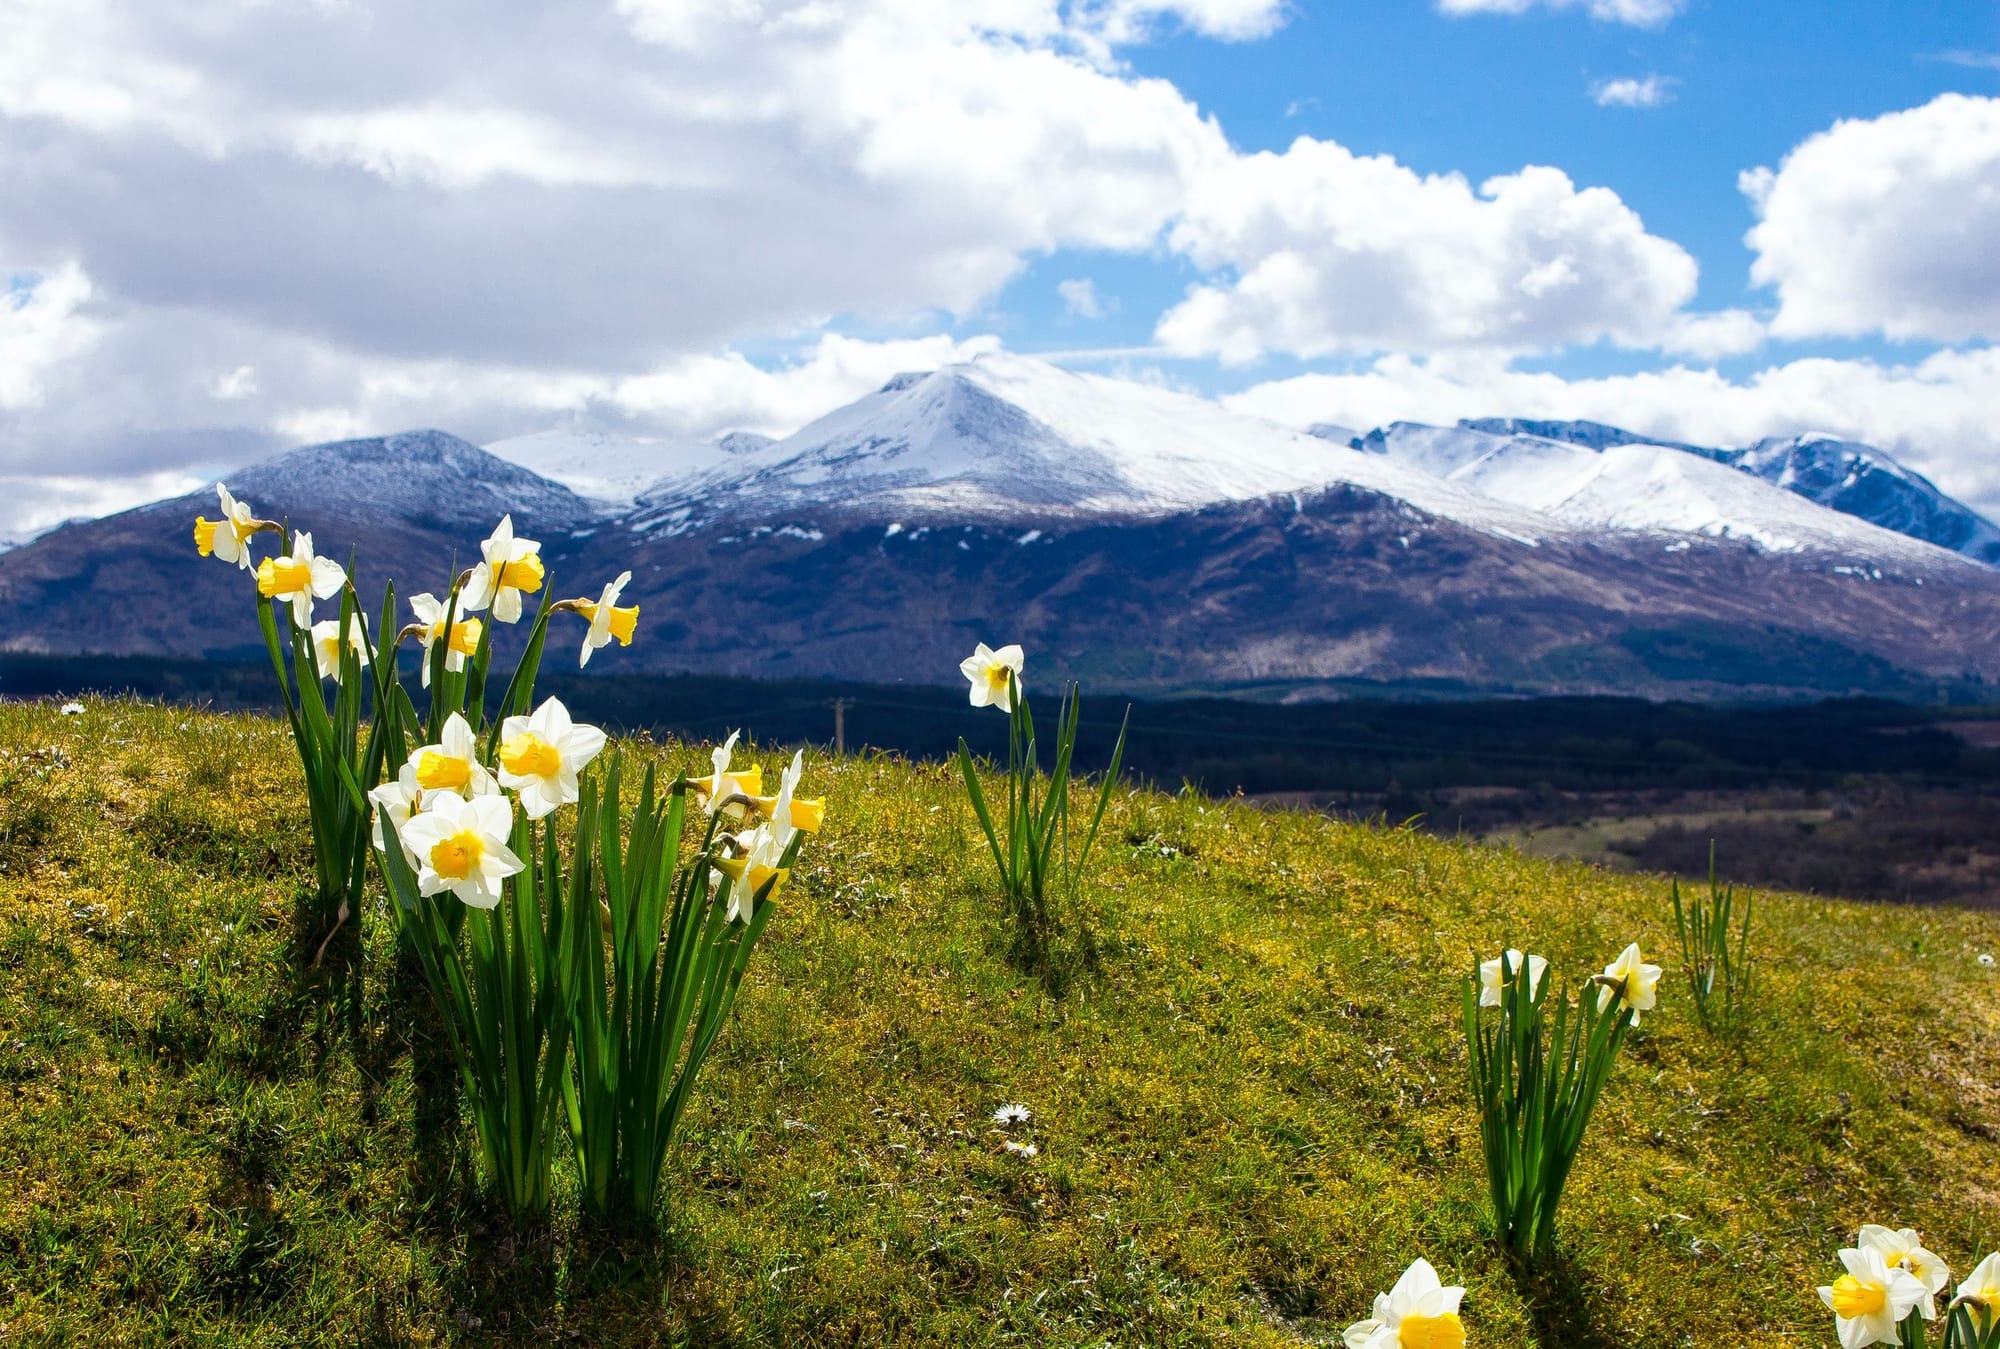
1633	92
1935	414
1332	252
1079	297
1886	225
1641	13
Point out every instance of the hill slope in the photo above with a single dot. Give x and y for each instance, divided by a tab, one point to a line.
1246	1126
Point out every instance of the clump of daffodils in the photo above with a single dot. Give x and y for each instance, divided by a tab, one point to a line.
1889	1291
1030	839
1537	1072
345	755
1420	1312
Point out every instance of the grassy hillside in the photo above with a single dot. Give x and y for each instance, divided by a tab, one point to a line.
1247	1124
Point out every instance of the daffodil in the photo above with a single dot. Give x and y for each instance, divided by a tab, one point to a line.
228	538
1418	1313
541	754
464	640
761	862
452	764
1489	976
461	846
730	792
1629	978
1870	1299
1902	1250
800	815
510	568
326	645
395	802
300	578
1981	1290
995	675
607	620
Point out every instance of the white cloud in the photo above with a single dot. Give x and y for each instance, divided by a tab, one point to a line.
1229	20
1634	92
1333	252
41	328
1886	225
1079	297
1936	415
1641	13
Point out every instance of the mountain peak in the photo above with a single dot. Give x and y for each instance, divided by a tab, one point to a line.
424	474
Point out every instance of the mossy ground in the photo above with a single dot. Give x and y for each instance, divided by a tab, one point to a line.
1248	1121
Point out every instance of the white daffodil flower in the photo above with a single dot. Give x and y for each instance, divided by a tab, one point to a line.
452	765
227	539
995	675
461	846
326	644
541	754
1869	1300
464	641
799	815
1981	1290
510	568
606	619
763	851
1630	978
720	790
300	578
1902	1250
396	802
1418	1313
1489	976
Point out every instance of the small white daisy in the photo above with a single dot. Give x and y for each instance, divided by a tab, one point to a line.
72	709
1009	1115
1986	959
1022	1149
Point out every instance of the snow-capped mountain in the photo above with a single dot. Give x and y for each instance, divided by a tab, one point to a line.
1006	436
1636	486
1138	536
615	469
428	475
1845	476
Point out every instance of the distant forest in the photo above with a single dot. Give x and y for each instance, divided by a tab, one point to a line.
1382	742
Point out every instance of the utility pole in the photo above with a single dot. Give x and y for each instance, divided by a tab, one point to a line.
840	706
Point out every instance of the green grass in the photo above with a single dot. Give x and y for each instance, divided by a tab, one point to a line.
1248	1122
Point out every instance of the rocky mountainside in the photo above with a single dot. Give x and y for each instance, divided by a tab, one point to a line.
1143	538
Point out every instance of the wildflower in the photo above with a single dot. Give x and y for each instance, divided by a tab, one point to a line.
464	641
1418	1313
396	802
1870	1298
511	567
72	709
300	578
462	847
1027	1150
995	675
452	765
1986	959
1009	1115
1489	976
228	538
606	619
326	645
1981	1289
541	754
764	848
802	815
1631	979
724	790
1902	1250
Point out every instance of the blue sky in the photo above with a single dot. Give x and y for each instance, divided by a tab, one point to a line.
1484	94
231	230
